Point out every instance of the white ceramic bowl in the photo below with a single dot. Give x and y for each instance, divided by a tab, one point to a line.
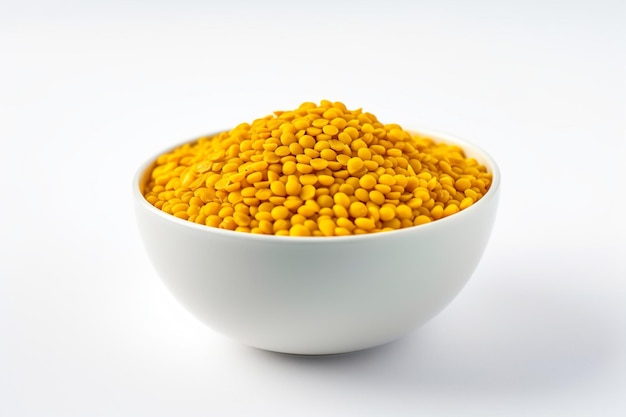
318	295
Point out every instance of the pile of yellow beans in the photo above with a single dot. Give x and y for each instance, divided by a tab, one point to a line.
318	170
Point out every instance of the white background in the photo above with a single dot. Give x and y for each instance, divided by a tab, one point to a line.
88	92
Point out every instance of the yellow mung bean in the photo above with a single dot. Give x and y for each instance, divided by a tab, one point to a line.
317	170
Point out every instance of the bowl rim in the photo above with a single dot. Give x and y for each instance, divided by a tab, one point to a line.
471	150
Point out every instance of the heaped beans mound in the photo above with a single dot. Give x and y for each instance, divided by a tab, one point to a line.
318	170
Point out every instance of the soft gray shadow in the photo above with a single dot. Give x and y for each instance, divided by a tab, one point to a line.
517	341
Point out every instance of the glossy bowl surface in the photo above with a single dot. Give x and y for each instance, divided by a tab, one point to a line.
318	295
